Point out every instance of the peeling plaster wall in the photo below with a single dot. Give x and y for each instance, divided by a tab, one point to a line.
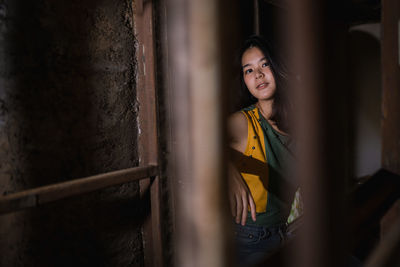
68	110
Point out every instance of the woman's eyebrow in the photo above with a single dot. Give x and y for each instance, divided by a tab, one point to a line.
248	64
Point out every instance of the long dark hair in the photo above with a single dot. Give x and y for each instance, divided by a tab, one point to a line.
281	106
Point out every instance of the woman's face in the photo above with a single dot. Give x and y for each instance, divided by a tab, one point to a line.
257	74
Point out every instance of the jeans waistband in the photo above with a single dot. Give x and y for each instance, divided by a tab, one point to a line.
253	227
259	231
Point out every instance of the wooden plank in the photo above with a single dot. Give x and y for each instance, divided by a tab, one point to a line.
390	86
386	254
370	202
45	194
278	3
256	10
148	142
195	33
390	49
168	168
181	132
206	180
321	132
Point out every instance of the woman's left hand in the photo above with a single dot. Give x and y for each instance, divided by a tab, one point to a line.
240	197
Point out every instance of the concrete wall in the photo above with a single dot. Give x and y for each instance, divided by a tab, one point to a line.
68	110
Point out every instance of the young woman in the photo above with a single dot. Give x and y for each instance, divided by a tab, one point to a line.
261	189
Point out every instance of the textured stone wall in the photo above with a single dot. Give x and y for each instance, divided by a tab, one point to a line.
68	110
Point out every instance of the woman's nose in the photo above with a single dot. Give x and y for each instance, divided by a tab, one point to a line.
259	73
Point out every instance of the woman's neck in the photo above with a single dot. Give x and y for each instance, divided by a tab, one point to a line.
265	108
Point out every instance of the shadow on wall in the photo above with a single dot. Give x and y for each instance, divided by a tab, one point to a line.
366	83
68	110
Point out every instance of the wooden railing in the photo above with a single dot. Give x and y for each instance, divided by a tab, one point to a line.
147	174
49	193
370	201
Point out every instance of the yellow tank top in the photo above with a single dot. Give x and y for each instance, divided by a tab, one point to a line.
253	164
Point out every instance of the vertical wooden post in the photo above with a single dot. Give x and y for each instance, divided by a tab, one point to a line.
181	149
167	141
206	127
390	51
148	141
195	84
321	130
256	19
391	85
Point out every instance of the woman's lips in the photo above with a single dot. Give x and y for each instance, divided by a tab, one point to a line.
262	85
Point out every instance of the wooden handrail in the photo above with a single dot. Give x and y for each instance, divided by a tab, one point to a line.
387	251
372	200
49	193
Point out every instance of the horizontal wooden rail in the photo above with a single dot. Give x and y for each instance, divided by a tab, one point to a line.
386	254
370	202
49	193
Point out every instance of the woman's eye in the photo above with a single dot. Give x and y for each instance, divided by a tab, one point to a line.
266	64
248	71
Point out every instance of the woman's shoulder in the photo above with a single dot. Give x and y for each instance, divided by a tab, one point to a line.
237	121
237	130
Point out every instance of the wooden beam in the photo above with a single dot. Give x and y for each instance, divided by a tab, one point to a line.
278	3
148	140
167	168
386	254
371	201
353	13
206	122
196	48
45	194
390	86
180	164
321	130
256	11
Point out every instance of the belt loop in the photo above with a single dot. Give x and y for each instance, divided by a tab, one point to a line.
267	232
282	234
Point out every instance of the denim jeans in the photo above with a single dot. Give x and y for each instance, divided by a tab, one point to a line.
254	243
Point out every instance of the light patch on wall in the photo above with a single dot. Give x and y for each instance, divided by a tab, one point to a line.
366	81
374	29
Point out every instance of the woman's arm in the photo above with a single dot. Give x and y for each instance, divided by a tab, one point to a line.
239	194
